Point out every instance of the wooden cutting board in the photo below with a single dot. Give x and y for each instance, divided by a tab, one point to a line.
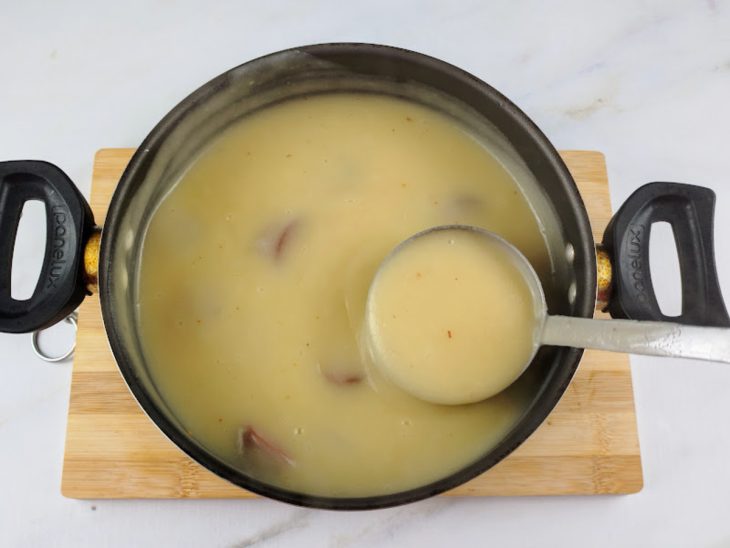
588	445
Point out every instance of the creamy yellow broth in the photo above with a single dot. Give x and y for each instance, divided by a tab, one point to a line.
254	277
450	317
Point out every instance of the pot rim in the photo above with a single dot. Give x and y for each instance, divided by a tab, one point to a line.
533	417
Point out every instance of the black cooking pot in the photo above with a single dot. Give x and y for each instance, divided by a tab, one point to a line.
169	148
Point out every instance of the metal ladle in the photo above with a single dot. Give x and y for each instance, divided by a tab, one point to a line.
630	336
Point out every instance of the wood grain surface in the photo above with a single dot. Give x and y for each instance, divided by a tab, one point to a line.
588	445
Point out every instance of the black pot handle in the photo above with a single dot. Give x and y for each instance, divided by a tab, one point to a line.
69	221
689	210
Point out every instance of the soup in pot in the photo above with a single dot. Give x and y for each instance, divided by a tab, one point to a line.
254	276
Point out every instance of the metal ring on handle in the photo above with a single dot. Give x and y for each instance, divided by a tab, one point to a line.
71	318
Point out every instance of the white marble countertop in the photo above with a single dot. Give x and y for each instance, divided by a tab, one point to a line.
648	83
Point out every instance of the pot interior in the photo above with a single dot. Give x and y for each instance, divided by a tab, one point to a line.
569	279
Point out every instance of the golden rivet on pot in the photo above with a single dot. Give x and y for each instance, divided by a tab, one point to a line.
605	278
91	260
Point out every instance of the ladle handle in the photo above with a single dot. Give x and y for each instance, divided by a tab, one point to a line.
637	337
